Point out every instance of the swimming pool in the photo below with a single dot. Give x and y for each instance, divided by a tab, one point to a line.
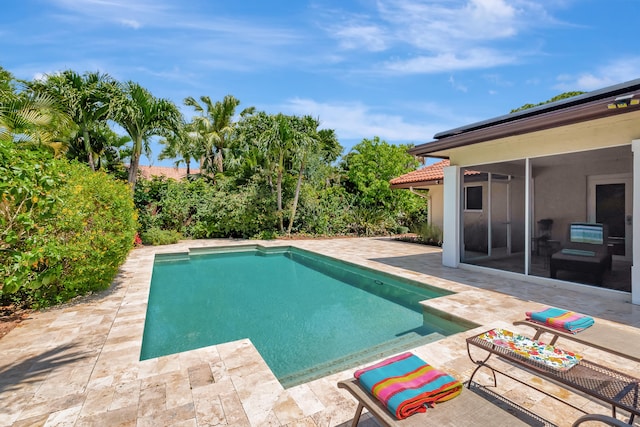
308	315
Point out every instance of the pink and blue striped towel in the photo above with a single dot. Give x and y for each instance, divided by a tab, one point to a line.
406	384
558	318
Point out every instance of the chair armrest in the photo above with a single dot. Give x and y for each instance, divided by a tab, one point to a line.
605	419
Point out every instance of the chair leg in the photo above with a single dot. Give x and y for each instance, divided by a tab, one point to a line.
356	417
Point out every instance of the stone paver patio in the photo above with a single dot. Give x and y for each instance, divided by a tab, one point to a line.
78	365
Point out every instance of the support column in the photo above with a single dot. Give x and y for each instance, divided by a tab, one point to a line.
489	215
635	252
451	221
527	216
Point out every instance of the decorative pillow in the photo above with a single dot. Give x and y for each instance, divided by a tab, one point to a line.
546	354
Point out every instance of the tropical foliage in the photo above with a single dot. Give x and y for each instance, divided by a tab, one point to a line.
142	116
261	175
64	229
564	95
84	98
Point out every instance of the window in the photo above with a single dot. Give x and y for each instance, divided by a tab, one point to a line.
473	198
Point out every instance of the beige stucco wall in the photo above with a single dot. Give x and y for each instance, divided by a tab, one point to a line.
607	132
436	192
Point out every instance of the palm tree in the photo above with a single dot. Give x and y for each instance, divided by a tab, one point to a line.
215	125
277	141
142	116
27	117
308	142
183	145
85	98
33	119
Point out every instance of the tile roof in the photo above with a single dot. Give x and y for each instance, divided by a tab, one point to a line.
432	172
428	175
166	171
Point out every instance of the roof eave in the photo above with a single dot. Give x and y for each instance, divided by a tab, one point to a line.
552	119
416	184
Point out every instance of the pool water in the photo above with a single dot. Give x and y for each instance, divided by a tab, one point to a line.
307	315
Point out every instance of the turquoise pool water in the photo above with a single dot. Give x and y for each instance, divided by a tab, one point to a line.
307	315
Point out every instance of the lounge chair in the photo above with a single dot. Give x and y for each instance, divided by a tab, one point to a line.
467	409
585	251
601	336
603	419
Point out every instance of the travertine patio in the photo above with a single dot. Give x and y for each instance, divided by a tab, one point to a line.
79	364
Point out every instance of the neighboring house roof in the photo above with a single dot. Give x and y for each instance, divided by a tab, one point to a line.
428	175
613	100
165	171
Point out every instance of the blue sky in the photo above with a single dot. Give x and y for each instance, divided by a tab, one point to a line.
402	70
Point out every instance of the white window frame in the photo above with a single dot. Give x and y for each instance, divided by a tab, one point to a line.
466	187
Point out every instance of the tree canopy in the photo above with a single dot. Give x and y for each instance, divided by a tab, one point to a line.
564	95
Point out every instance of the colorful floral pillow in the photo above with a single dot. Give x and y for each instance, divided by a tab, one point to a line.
534	350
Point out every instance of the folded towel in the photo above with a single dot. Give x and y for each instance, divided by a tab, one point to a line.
405	384
558	318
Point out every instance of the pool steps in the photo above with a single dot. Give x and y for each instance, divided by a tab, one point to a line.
397	345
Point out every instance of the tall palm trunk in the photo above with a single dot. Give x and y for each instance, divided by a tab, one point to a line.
87	147
294	207
279	194
135	162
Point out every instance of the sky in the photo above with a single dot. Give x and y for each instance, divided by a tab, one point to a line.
402	70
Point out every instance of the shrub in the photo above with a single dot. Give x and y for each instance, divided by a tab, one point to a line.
324	212
429	234
267	235
27	183
76	227
155	236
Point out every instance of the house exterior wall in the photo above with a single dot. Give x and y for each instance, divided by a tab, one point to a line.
619	131
607	132
436	192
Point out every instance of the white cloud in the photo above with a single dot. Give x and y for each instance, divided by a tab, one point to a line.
131	23
457	86
442	35
616	71
355	120
447	25
475	59
356	36
132	13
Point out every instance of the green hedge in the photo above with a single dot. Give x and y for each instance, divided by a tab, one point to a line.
65	228
199	209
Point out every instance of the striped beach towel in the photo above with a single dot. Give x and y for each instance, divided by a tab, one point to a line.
406	384
558	318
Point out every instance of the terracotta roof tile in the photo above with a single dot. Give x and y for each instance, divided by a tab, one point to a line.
427	174
166	171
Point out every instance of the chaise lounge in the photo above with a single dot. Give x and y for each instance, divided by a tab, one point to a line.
586	251
467	409
601	335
